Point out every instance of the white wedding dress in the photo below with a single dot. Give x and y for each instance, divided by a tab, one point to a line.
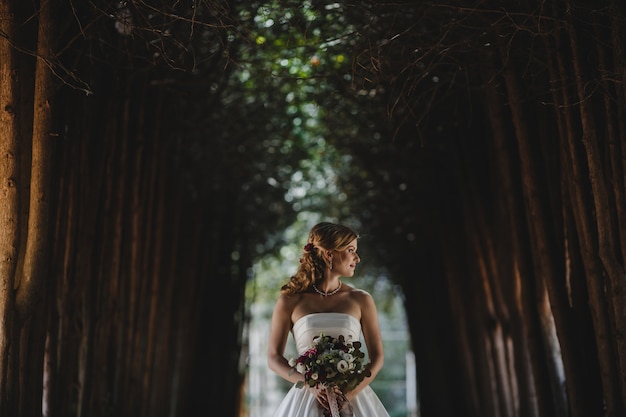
299	402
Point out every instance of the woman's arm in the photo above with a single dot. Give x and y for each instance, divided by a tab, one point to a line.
373	340
279	332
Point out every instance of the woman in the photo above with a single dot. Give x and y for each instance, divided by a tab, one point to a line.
315	300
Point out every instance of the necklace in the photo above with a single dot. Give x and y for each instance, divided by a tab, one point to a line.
326	294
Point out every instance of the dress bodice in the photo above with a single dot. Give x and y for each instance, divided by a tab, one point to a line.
331	324
302	402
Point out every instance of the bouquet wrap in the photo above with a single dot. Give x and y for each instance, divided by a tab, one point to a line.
332	402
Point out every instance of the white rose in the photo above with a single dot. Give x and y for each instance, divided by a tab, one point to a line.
342	366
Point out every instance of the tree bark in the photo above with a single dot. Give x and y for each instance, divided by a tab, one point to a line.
31	278
606	225
544	248
34	267
517	278
9	192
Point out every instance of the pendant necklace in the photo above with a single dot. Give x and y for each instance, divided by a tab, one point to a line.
326	294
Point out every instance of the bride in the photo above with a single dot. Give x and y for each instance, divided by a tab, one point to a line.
315	301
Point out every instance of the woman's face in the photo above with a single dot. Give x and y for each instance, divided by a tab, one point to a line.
344	262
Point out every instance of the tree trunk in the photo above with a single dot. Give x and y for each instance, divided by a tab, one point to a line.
544	249
606	225
517	278
10	189
34	266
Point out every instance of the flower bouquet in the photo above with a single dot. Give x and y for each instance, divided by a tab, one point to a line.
329	363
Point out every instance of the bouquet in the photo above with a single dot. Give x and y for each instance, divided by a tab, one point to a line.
331	362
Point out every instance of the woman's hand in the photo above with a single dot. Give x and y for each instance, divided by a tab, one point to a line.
344	402
320	396
322	399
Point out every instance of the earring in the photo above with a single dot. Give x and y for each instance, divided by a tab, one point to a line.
331	264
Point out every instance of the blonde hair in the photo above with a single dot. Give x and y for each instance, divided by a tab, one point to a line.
323	237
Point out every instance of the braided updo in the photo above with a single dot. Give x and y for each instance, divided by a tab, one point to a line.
323	237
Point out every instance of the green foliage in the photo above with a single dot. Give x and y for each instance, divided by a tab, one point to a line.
288	59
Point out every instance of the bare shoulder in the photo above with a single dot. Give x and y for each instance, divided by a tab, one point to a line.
367	308
287	302
363	298
359	294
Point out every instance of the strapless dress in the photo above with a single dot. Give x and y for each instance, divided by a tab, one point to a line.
299	402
